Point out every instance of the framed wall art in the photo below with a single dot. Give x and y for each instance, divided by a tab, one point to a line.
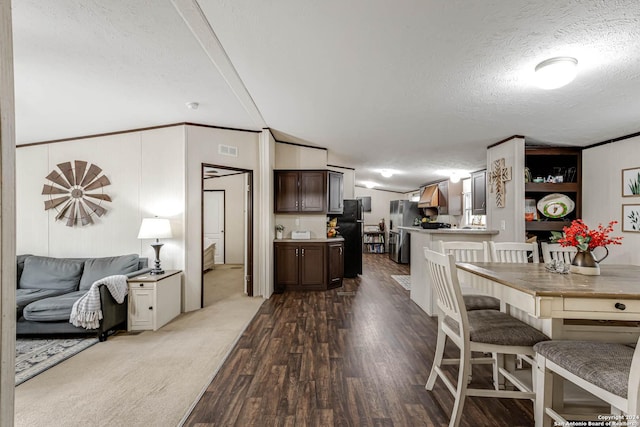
631	182
631	218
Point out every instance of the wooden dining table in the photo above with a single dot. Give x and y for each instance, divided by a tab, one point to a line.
564	306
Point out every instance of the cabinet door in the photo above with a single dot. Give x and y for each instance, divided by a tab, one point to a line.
312	266
443	198
478	193
313	191
141	309
286	191
336	264
336	193
286	266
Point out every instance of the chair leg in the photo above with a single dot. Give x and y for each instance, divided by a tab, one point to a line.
437	358
544	391
461	389
498	380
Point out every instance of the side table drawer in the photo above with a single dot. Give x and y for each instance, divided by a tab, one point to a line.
142	285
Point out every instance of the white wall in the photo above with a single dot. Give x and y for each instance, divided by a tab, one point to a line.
146	180
234	215
513	212
202	147
602	194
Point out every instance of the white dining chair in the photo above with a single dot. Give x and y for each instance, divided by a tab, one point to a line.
610	372
514	252
556	252
483	331
470	252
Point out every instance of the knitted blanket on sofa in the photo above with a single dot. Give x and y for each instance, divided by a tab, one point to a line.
87	310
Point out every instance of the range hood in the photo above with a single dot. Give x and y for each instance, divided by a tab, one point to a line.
430	197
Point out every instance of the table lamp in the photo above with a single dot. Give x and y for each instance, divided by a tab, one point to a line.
155	228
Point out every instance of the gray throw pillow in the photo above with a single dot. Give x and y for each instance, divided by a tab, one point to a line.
50	273
99	268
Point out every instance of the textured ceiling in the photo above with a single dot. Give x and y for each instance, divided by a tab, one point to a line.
412	86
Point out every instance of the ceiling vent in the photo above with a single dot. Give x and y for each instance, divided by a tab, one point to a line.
227	150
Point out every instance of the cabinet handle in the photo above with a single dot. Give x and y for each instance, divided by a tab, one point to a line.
620	306
302	251
150	308
341	250
296	251
142	285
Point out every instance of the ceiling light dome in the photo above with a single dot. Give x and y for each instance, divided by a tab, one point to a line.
556	72
386	173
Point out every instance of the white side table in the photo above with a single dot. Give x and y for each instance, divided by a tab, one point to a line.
154	300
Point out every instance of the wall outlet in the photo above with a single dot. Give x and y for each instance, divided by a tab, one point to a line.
503	224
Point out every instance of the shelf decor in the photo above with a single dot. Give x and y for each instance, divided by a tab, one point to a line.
585	240
631	182
76	193
631	218
498	177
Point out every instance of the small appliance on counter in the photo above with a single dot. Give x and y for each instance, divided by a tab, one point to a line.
301	235
431	225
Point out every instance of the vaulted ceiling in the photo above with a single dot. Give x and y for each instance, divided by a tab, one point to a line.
416	87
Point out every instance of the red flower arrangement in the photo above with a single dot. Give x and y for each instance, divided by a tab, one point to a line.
579	235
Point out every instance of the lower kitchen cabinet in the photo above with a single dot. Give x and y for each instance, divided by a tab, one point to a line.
308	266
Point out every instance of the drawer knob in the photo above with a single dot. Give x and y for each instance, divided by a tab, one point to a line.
620	306
141	285
150	308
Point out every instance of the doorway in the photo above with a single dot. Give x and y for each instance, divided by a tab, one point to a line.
227	232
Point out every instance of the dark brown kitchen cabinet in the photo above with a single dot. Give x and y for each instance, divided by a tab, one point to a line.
336	193
479	193
308	266
336	264
308	191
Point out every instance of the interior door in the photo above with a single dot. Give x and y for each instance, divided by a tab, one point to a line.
213	222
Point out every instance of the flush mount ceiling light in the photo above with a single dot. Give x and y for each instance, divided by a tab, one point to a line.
386	173
370	184
556	72
192	105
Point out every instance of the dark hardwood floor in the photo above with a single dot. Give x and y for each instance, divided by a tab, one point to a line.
353	356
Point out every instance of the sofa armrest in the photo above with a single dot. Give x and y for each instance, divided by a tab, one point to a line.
113	314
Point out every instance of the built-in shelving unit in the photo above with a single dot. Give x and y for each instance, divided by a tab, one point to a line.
543	162
373	241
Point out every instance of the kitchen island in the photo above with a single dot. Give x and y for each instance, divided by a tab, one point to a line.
421	290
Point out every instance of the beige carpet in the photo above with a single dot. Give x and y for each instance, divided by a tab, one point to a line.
138	379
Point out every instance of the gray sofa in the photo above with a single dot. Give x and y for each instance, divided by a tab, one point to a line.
48	287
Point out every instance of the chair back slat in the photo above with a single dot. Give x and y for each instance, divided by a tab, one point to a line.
633	392
465	251
556	252
514	252
443	272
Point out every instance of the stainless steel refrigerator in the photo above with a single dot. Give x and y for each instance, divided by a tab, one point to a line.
402	214
350	228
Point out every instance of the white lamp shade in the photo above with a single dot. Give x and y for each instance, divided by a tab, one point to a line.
556	72
155	228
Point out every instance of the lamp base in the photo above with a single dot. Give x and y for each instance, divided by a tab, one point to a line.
156	269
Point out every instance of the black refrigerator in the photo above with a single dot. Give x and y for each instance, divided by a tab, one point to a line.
350	228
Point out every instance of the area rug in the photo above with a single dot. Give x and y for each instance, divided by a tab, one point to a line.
405	281
34	356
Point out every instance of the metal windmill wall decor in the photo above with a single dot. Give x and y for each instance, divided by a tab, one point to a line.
76	193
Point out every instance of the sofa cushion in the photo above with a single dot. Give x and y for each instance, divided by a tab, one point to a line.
27	296
51	273
99	268
52	309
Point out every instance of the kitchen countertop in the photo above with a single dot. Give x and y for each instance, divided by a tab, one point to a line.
449	230
314	240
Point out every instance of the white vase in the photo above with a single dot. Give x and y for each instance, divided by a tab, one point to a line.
278	234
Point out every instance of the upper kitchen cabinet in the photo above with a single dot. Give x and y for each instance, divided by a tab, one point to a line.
336	193
308	191
479	193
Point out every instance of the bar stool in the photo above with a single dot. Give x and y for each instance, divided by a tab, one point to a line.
484	331
609	371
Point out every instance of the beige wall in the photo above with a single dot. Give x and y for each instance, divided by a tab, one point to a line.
379	205
234	214
512	214
602	194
